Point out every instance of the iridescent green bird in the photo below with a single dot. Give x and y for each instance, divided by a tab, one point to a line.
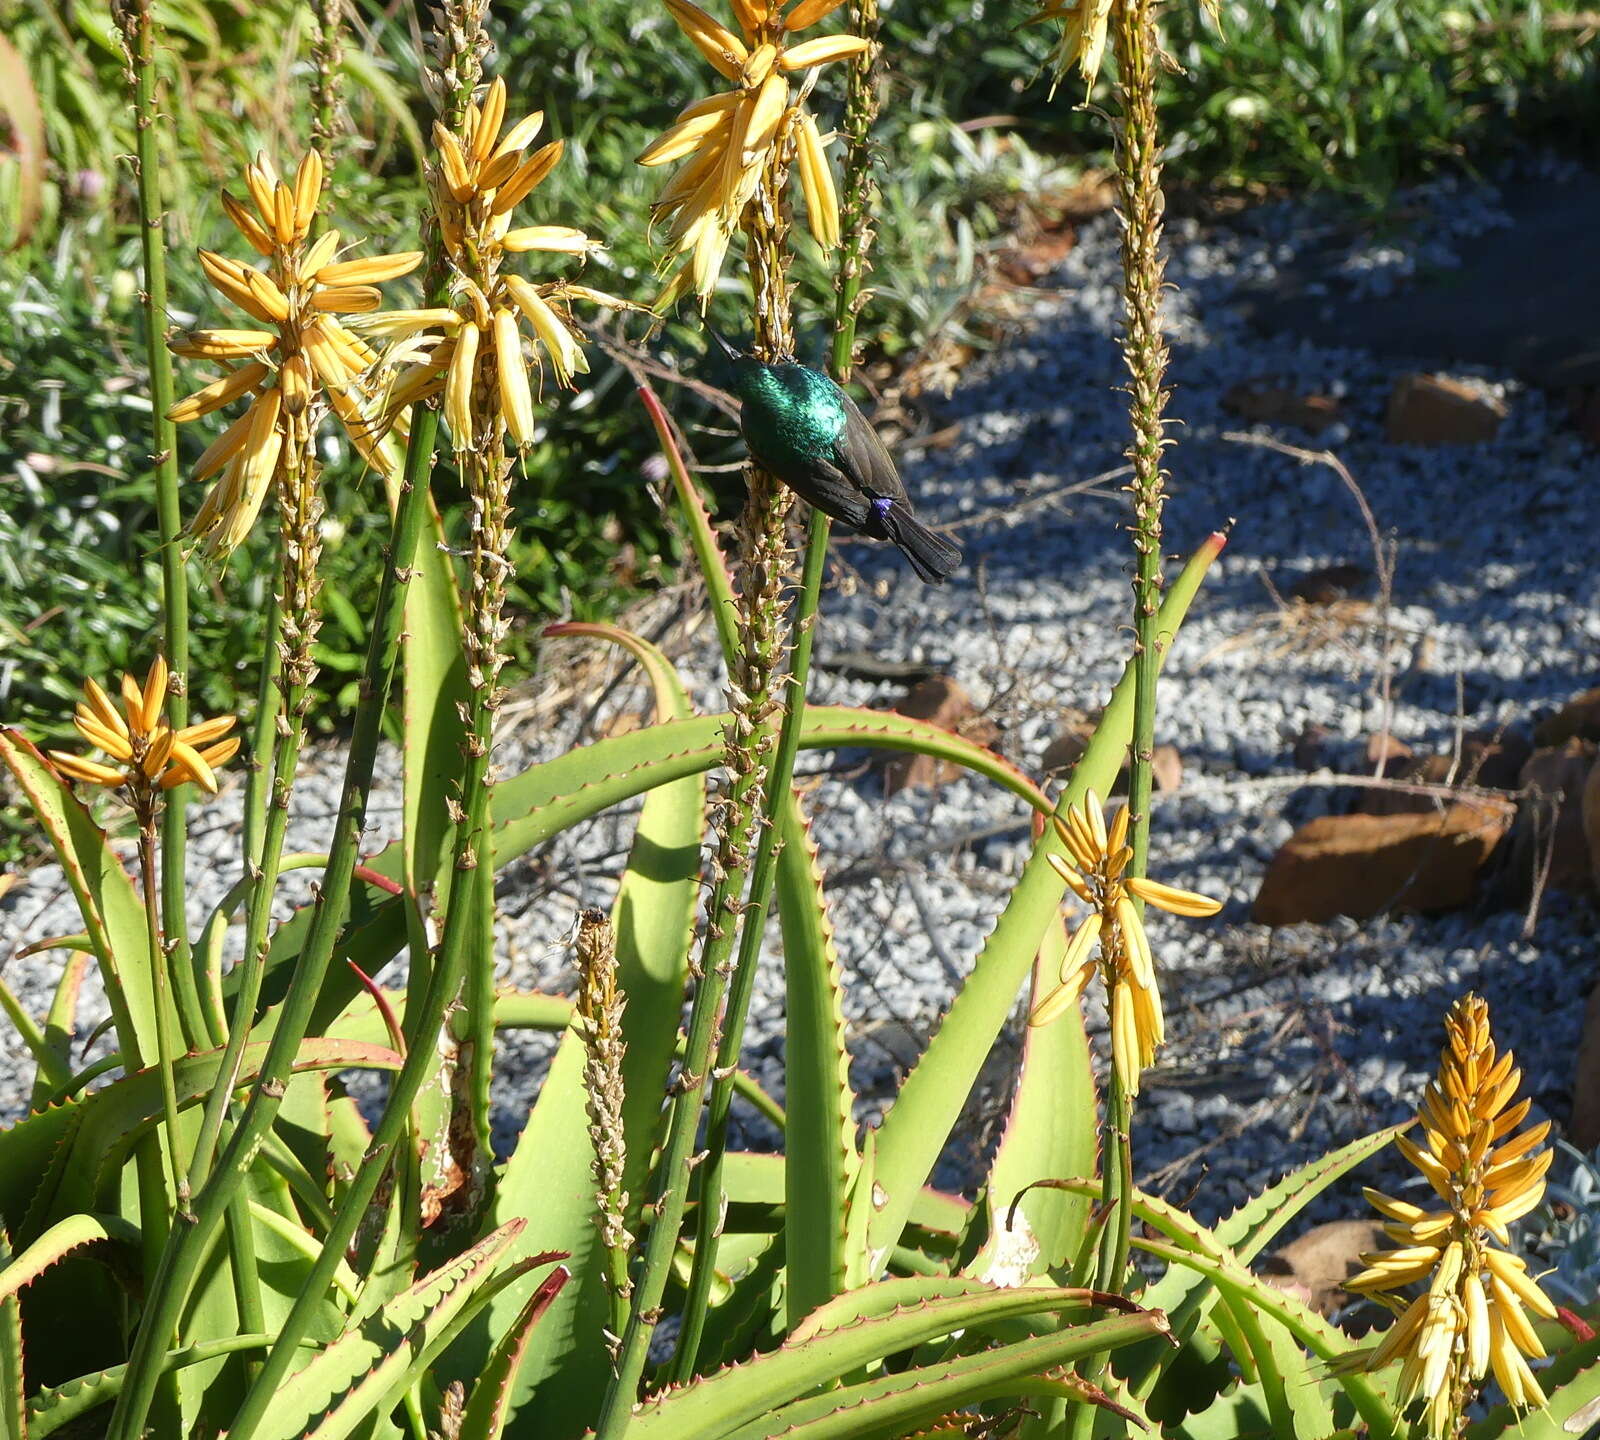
804	429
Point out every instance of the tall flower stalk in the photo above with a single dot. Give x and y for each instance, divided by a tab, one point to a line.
222	1192
737	150
136	26
477	352
297	364
860	110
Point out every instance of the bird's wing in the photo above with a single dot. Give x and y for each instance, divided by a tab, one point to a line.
833	492
863	457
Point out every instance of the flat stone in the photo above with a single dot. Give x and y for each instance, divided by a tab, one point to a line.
1364	865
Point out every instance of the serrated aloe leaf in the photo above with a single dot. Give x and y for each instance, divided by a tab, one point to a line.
1050	1133
13	1408
720	1403
62	1020
1239	1414
60	1240
764	1397
819	1143
1182	1293
112	913
363	1372
933	1096
1249	1229
50	1409
1295	1399
1571	1383
490	1406
93	1135
559	1385
893	1405
1254	1302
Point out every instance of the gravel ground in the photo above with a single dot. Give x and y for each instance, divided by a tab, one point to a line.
1283	1042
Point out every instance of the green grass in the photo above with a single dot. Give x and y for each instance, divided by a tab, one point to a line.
1302	95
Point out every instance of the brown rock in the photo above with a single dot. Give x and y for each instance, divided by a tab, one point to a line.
1579	717
1029	262
1314	1266
1436	410
1329	585
1549	839
1418	770
1591	822
1075	732
1494	759
1166	767
1310	749
1362	865
1279	405
942	701
1583	1129
1384	751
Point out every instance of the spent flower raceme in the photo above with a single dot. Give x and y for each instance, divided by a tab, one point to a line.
1112	936
1082	41
144	752
1472	1316
725	141
474	351
300	357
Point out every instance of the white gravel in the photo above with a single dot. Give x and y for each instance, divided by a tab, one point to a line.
1281	1043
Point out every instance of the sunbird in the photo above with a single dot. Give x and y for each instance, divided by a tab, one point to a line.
804	429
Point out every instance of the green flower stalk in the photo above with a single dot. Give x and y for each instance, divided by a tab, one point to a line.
707	202
860	110
136	27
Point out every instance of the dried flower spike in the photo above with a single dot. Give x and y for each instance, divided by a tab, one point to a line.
145	752
1472	1318
1082	41
724	142
301	356
1095	875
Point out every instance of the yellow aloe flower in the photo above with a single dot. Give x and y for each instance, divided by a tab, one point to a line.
1099	856
1472	1317
1083	35
723	143
475	352
145	752
299	354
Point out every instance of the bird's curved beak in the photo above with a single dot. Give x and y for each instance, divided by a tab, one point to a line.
729	351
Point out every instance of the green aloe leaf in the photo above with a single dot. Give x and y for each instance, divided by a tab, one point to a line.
819	1143
362	1373
490	1406
934	1094
1572	1384
723	1404
896	1404
60	1240
51	1408
84	1142
653	922
1050	1134
13	1407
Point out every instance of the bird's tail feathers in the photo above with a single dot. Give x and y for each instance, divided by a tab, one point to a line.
932	556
